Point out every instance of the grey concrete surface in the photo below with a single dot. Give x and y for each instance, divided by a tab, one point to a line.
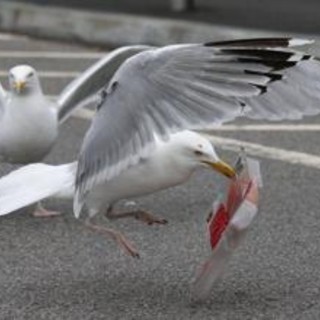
109	28
57	269
130	22
285	15
119	22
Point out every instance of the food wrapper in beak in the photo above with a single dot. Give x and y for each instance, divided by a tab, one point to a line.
228	223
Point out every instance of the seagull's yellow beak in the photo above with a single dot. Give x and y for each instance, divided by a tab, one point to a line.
222	167
19	85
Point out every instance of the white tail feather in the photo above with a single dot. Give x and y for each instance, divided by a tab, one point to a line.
35	182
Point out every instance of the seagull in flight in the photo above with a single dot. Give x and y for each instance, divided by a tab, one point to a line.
138	143
192	86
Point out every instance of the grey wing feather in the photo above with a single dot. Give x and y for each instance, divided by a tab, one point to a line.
79	91
295	96
190	86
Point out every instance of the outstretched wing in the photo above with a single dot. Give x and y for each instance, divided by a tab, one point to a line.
192	86
93	79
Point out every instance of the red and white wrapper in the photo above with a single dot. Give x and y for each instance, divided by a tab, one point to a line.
228	224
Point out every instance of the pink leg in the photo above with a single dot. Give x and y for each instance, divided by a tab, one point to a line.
140	215
41	212
117	236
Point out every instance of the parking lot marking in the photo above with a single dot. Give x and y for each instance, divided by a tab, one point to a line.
83	113
49	74
254	149
52	54
10	37
270	127
88	114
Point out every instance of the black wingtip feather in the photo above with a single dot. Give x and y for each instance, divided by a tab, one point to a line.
272	76
306	57
258	42
262	54
263	89
267	54
276	65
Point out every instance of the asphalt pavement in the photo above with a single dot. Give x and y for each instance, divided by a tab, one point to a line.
284	15
57	269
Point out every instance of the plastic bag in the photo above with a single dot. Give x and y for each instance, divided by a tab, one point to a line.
229	222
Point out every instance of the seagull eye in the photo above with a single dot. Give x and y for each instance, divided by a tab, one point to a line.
198	153
30	75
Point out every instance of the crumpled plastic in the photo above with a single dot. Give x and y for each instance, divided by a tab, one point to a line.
228	223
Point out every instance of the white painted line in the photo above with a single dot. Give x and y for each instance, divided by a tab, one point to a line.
50	74
254	149
80	113
84	114
269	127
9	36
263	127
52	54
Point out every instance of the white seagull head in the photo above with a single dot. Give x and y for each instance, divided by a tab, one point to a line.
197	151
23	79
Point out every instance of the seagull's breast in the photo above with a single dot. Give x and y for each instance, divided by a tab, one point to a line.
27	131
150	175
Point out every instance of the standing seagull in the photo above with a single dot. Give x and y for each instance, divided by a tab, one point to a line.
29	120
